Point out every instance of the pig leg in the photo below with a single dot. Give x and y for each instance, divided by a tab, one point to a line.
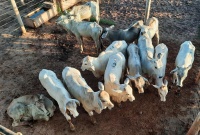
18	123
68	118
93	120
80	41
156	36
15	123
98	45
174	78
71	125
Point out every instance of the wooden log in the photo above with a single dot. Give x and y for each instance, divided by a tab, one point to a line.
18	16
194	129
6	131
147	11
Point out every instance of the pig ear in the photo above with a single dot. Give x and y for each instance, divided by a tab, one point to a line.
141	22
174	70
65	12
137	75
165	82
111	27
87	58
156	86
104	35
131	77
100	102
77	102
138	23
146	80
100	86
127	81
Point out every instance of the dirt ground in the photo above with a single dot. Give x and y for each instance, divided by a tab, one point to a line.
50	47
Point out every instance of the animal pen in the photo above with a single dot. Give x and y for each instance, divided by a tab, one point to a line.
16	12
55	52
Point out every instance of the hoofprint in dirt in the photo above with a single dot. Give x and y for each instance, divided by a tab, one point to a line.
49	47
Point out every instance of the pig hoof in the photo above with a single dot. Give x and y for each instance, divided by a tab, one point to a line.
178	93
119	105
31	125
18	133
170	87
94	122
72	128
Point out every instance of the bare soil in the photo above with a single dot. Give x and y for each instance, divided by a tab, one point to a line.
51	47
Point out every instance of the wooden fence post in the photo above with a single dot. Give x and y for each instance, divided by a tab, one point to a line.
147	11
194	129
18	16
